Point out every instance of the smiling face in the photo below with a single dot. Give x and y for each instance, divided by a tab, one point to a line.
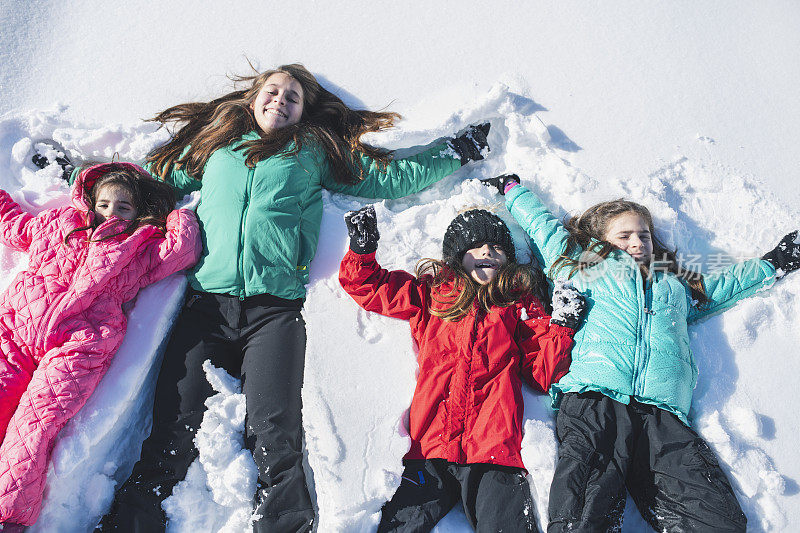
279	103
114	200
630	232
483	262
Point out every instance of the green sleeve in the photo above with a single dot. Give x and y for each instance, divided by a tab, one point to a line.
74	175
727	287
179	180
400	177
546	231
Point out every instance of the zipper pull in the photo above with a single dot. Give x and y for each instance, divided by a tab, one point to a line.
649	311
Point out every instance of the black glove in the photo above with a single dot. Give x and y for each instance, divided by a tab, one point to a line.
40	159
786	256
568	305
469	145
500	182
362	226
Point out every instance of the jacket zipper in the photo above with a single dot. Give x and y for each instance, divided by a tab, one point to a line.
468	378
240	259
643	346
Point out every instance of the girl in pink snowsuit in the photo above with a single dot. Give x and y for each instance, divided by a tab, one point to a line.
61	319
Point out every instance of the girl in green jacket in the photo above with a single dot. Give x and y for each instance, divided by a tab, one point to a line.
261	157
623	406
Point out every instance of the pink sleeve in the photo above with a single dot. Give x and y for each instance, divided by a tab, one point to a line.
180	248
18	227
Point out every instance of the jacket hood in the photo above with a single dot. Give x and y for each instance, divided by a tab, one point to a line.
87	178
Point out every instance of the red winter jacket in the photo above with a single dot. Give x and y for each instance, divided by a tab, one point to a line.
467	407
61	322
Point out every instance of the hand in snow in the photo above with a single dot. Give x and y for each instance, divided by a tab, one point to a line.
47	152
501	182
568	305
190	201
362	226
470	144
786	256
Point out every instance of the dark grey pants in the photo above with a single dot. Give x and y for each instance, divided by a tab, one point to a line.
262	340
495	498
669	471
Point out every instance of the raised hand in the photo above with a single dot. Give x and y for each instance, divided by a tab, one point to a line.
786	256
470	144
48	151
362	226
500	182
568	305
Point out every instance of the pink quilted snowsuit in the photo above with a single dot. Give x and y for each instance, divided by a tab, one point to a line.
61	322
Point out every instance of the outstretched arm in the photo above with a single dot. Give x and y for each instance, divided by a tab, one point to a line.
397	293
401	177
547	232
18	227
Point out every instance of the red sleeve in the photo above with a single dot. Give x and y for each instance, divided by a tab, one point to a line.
545	348
397	294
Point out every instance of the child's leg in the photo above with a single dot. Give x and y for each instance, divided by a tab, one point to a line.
272	380
595	435
496	498
426	494
676	481
16	370
59	387
205	329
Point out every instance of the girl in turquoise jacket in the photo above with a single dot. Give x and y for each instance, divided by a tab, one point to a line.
623	406
261	157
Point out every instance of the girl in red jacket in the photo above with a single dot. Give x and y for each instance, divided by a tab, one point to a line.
481	328
61	319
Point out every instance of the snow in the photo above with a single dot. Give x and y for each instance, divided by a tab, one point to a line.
689	108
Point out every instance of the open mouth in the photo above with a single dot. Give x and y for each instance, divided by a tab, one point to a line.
486	264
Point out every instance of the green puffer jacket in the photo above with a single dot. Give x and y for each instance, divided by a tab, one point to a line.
260	226
634	340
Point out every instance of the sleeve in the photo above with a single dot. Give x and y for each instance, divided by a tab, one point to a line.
179	180
178	250
545	350
727	287
400	177
396	293
546	231
18	228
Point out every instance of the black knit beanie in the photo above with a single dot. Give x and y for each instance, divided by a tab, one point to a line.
473	227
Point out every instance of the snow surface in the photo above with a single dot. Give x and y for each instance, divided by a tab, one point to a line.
687	107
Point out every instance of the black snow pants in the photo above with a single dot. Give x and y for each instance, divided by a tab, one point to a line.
262	340
495	498
670	472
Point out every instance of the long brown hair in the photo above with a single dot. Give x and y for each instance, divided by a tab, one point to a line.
153	199
207	126
512	282
586	232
